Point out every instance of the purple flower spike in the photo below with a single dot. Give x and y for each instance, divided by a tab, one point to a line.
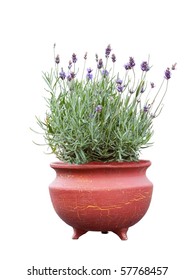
98	108
145	66
167	74
89	74
100	64
131	62
120	88
146	108
96	57
108	51
131	91
74	58
85	56
113	58
89	70
127	66
119	82
57	59
69	78
62	74
73	75
174	66
105	73
70	64
152	85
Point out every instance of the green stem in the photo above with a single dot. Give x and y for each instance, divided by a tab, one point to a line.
56	65
161	99
74	67
133	79
125	76
83	69
147	98
157	92
113	70
106	64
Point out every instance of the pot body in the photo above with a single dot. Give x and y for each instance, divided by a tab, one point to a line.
101	196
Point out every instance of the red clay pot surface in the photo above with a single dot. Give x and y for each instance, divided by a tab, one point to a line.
101	196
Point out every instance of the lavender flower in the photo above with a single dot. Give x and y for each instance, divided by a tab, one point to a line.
89	70
152	85
89	74
127	66
131	91
120	88
96	57
174	66
74	58
146	108
108	51
98	109
71	76
70	64
119	81
131	62
100	64
85	56
167	74
57	59
145	66
105	73
113	58
62	74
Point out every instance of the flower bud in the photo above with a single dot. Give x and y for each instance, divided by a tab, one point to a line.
113	58
62	74
100	64
167	74
57	59
145	66
74	58
98	108
108	51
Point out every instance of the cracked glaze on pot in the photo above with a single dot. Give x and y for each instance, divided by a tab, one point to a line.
101	196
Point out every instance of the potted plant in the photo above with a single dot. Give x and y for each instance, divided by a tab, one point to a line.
96	123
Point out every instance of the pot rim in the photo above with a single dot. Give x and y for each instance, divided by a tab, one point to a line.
100	165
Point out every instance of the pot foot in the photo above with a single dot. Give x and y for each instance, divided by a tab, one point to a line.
78	232
122	233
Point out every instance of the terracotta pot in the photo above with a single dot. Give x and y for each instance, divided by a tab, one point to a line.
101	196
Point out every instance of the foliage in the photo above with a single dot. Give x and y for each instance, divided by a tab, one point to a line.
99	117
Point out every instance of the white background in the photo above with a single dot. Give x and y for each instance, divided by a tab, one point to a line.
31	233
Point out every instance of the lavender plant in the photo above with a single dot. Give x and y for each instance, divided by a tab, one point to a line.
102	115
